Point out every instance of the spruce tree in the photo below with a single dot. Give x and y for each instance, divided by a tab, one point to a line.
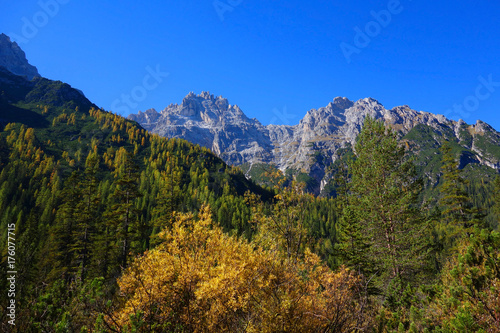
353	244
64	229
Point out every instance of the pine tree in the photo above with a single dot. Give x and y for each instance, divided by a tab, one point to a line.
383	199
123	215
455	202
87	215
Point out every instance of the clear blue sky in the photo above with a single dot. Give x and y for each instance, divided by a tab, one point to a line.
274	59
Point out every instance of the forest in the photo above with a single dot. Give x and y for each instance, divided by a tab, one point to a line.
120	230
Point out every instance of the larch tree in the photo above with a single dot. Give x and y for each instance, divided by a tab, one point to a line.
284	230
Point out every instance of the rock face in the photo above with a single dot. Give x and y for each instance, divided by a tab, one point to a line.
211	122
307	147
14	59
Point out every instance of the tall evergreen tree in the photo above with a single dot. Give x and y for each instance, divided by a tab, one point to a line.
454	201
87	214
353	244
383	199
124	216
64	229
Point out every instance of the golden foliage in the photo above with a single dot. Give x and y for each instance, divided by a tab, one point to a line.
202	280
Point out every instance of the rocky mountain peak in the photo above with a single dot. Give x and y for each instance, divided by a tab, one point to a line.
14	59
149	116
482	127
369	103
342	103
308	147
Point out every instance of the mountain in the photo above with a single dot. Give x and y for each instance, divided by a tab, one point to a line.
74	177
102	225
213	123
14	59
43	104
311	146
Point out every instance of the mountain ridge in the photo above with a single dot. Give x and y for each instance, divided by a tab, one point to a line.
214	123
13	58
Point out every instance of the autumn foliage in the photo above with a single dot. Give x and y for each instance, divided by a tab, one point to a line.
202	280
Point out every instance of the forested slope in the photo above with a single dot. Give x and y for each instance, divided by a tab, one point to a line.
113	229
87	190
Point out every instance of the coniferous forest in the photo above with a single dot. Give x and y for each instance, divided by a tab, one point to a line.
119	230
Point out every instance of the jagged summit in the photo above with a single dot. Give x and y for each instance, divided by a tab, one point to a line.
341	103
203	109
14	59
212	122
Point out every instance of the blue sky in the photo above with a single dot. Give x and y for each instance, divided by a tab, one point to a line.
274	59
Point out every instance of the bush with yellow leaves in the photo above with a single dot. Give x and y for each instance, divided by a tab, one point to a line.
202	280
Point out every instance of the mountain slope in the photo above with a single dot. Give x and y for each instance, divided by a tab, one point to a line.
213	123
74	177
311	146
14	59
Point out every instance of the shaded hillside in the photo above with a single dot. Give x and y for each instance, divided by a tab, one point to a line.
79	184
